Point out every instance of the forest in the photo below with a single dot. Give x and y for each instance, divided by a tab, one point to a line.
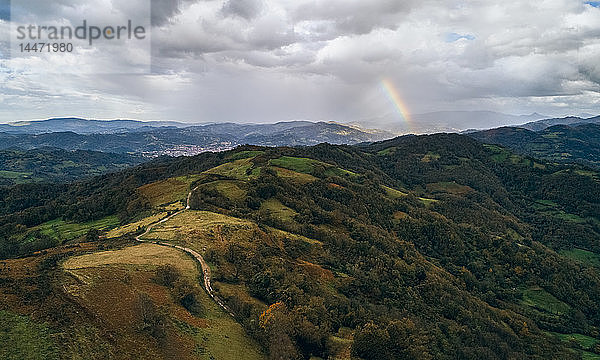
421	247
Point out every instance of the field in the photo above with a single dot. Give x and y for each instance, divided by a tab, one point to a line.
540	299
231	189
586	342
294	175
279	234
240	291
17	177
108	283
132	227
238	169
592	174
583	256
205	229
590	356
396	194
309	166
500	154
204	226
552	209
143	254
583	341
245	154
427	202
168	191
430	156
335	171
343	346
302	165
393	193
274	209
503	155
67	230
21	338
223	338
387	151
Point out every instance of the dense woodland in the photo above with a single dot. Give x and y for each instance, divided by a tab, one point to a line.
27	205
57	165
430	245
576	143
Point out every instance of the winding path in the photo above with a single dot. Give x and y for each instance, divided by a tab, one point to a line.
205	268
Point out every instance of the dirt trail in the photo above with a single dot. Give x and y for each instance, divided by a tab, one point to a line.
205	268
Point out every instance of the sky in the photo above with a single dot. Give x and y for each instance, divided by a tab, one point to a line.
342	60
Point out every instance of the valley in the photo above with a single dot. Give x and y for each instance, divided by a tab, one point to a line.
153	139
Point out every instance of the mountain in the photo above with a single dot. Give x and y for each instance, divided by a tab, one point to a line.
571	120
52	165
585	115
242	130
578	143
195	139
418	247
84	126
448	121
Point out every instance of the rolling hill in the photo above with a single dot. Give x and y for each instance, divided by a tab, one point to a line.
579	143
189	140
52	165
418	247
570	121
84	126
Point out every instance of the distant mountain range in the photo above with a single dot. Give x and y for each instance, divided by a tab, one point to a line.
84	126
570	120
470	121
152	139
575	138
449	121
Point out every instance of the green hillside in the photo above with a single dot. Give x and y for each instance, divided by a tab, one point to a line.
51	164
577	143
420	247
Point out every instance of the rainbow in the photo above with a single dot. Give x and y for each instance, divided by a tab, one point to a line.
392	93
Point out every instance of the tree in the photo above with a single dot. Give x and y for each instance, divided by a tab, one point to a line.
167	275
275	322
371	343
92	235
236	255
188	295
150	318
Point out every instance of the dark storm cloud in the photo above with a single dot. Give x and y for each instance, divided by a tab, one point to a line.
163	10
355	16
224	29
267	60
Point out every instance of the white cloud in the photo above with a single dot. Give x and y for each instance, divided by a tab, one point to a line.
267	60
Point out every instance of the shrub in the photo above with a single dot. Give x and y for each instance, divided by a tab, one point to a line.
150	318
188	296
167	275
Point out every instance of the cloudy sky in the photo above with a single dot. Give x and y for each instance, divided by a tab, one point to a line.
272	60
